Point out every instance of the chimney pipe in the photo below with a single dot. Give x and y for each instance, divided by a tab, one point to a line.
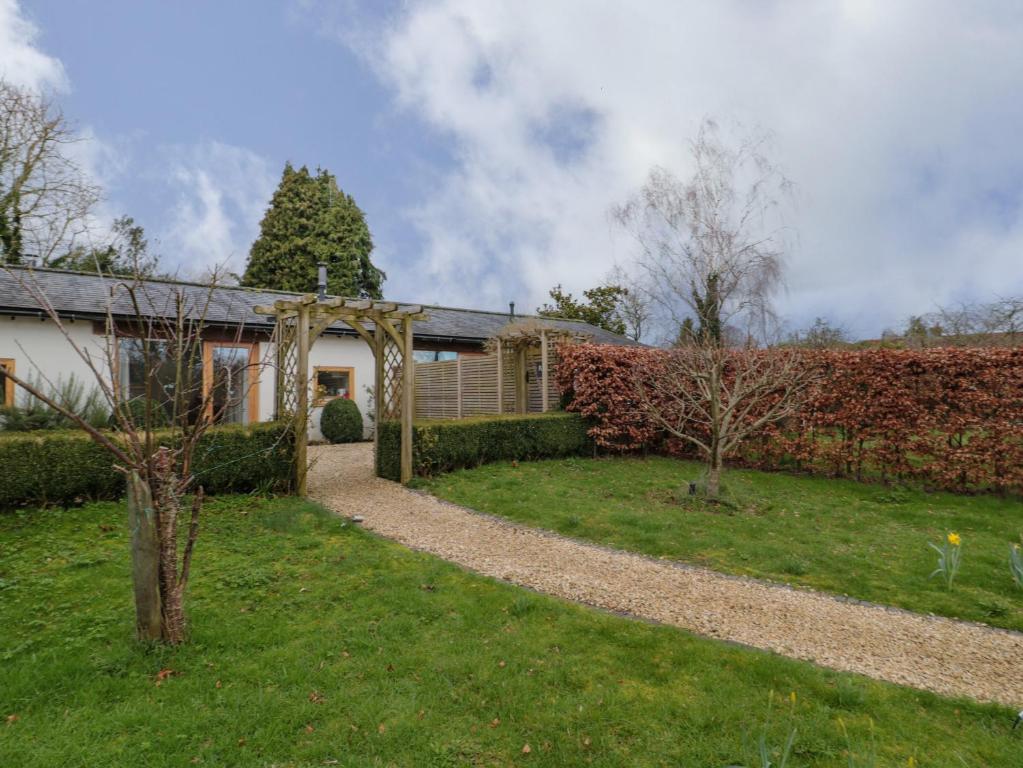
511	309
321	280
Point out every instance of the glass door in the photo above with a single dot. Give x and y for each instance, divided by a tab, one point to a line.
231	381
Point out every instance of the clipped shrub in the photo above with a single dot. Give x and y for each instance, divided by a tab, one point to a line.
440	446
341	422
67	467
949	418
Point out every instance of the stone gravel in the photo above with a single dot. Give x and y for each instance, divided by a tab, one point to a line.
948	657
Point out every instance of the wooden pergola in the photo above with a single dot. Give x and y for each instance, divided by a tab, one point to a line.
301	321
516	339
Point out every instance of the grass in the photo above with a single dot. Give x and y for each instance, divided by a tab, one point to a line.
317	644
867	541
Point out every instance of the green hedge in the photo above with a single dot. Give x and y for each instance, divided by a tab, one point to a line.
440	446
66	467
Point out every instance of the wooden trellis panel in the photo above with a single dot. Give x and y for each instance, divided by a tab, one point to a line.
285	340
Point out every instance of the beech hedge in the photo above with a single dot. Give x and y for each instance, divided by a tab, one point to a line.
949	418
66	467
443	445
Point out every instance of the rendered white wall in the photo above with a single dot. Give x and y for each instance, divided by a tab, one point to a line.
46	350
344	352
43	349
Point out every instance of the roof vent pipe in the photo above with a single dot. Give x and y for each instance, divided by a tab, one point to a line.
321	280
511	309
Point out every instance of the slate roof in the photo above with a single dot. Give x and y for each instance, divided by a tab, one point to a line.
87	296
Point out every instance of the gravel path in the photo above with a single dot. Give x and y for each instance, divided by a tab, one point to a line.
937	654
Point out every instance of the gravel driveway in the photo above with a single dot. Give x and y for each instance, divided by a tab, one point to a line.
937	654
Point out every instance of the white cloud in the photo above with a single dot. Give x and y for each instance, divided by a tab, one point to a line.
21	62
206	198
899	122
221	194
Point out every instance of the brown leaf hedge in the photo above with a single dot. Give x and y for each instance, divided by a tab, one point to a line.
947	418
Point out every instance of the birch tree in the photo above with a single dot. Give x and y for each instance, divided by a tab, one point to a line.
711	252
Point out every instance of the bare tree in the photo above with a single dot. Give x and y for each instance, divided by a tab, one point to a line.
45	198
993	323
633	304
162	405
711	245
821	334
711	254
714	397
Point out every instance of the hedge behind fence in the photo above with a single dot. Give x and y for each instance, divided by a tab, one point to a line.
440	446
950	418
66	467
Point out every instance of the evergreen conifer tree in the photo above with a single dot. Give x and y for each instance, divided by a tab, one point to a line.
311	220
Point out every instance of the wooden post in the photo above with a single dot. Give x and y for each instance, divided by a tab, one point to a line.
302	400
500	378
379	345
521	383
458	379
145	560
544	372
408	395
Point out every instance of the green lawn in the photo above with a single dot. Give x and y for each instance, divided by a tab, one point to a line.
316	644
868	541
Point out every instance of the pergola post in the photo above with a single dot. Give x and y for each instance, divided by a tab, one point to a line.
408	398
544	369
500	378
521	382
379	343
302	400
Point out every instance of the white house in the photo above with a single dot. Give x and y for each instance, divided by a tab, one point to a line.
236	339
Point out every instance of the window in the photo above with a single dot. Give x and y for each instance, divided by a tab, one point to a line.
162	376
431	356
230	382
331	382
6	385
223	378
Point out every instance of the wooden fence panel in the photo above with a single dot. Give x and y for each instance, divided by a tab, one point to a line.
451	389
437	390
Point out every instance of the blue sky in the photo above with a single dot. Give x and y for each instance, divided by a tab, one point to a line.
488	141
158	80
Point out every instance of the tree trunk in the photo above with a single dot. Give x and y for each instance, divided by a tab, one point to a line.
145	560
714	476
168	508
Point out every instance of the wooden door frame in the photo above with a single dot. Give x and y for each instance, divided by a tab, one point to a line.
252	366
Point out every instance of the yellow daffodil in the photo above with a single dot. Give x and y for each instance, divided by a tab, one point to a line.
954	540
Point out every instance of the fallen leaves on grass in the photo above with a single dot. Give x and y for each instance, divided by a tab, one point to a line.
162	675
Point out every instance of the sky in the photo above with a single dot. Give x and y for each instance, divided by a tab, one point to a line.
487	141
